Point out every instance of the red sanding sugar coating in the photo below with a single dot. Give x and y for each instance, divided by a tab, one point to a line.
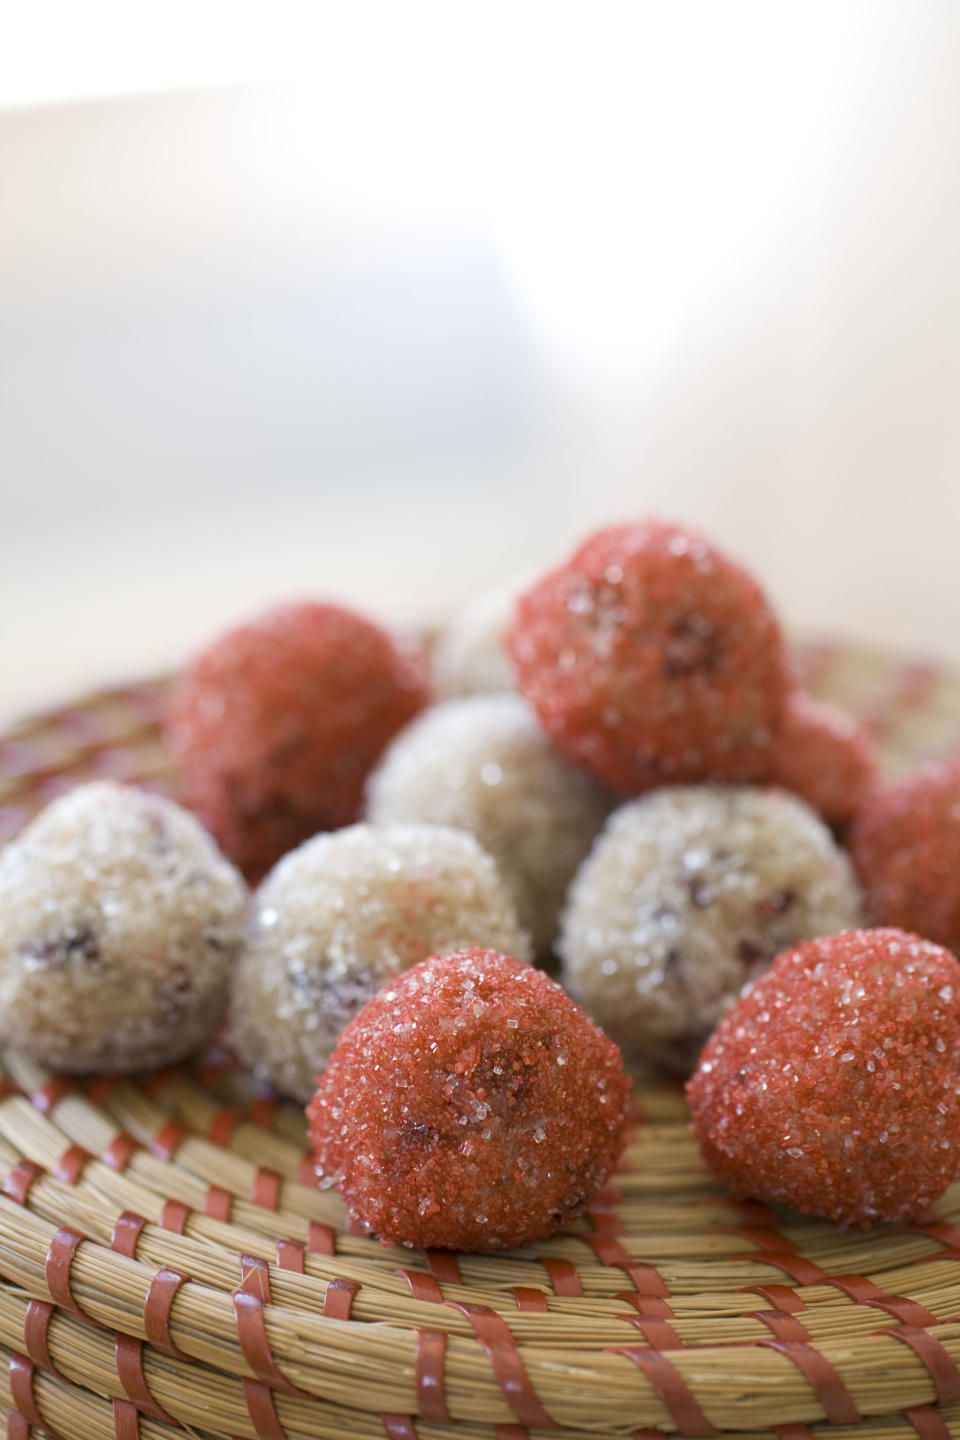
833	1085
470	1106
276	725
825	756
651	657
905	845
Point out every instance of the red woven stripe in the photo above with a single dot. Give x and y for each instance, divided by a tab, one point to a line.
947	1234
262	1411
832	1394
263	1112
673	1391
782	1325
563	1277
36	1341
69	1167
398	1427
803	1271
307	1171
266	1188
927	1423
57	1268
494	1335
939	1366
218	1203
254	1345
254	1277
101	1087
223	1125
120	1150
17	1184
290	1256
173	1216
338	1299
443	1267
126	1421
21	1374
160	1080
781	1297
321	1239
50	1094
164	1144
607	1221
156	1310
430	1376
865	1292
422	1287
126	1233
128	1356
528	1298
18	1426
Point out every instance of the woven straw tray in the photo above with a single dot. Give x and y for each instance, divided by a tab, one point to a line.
168	1268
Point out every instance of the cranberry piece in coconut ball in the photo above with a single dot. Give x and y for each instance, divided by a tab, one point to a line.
470	1106
825	756
832	1085
277	723
905	844
651	657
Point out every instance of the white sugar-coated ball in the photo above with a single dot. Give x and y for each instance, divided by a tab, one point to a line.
120	922
342	914
483	764
469	657
687	895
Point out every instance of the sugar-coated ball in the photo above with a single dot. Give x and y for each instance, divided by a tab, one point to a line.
826	756
905	844
470	655
119	926
834	1084
277	723
651	657
341	915
483	764
688	894
470	1106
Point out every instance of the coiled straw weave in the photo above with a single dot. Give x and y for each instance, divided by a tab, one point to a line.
168	1268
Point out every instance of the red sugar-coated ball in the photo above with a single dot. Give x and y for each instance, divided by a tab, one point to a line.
825	756
651	657
470	1106
277	723
905	844
833	1085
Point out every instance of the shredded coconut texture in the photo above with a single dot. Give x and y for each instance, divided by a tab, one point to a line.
483	764
120	923
341	915
688	894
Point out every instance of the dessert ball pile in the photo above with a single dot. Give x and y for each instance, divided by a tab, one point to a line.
120	925
618	772
341	915
470	1105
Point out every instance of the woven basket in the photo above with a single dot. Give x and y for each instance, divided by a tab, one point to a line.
169	1268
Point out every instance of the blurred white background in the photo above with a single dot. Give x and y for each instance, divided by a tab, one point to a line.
386	302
